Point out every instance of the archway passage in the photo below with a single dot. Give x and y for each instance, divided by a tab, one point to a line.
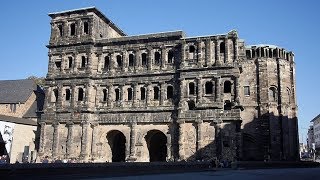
157	145
117	142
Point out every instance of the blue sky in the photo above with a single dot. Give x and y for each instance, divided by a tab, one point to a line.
294	25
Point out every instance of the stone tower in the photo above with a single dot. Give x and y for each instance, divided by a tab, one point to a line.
163	96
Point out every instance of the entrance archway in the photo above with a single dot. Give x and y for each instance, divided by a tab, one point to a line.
157	145
117	142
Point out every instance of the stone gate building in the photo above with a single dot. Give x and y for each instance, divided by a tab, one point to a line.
164	96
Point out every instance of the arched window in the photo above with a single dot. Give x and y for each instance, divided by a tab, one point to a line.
55	95
227	87
222	48
157	58
86	28
156	92
131	60
60	27
169	92
83	61
191	105
142	93
117	91
209	87
227	105
192	49
70	62
273	95
170	56
106	63
144	59
275	53
248	54
119	61
68	94
72	29
270	53
191	88
129	94
104	99
80	94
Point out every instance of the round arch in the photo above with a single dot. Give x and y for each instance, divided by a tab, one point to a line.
117	143
157	145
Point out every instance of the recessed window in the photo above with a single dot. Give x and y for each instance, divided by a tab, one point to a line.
227	87
70	62
144	59
248	54
68	95
191	105
142	93
227	105
104	99
129	94
55	95
169	92
156	92
157	58
246	90
72	29
117	91
131	60
58	64
273	95
191	88
86	28
60	27
80	94
222	47
106	62
192	49
119	61
209	87
83	61
170	56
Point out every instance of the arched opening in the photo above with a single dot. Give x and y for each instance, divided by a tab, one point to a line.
104	95
157	58
192	49
142	93
273	95
55	95
227	105
157	145
209	87
131	60
270	53
191	88
83	61
170	56
117	91
106	62
227	87
60	30
156	92
222	48
86	28
191	105
169	92
129	94
144	59
119	61
72	29
250	147
68	94
117	143
248	54
80	94
70	62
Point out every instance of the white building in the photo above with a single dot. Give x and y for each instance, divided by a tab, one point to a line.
316	131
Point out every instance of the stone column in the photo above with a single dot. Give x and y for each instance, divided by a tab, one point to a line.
226	51
42	138
135	94
125	61
110	94
121	98
89	63
73	95
137	59
132	156
70	140
218	58
181	143
112	63
183	54
150	58
100	62
95	139
236	87
162	92
84	141
169	156
148	94
218	89
199	53
55	144
199	93
163	57
199	134
207	53
75	63
236	46
60	97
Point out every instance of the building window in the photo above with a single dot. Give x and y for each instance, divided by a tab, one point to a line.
13	108
58	64
83	61
119	60
129	94
246	90
209	87
131	60
156	93
191	88
157	58
227	105
60	27
222	48
248	54
86	28
144	59
104	99
169	92
142	93
227	87
289	95
70	61
117	91
106	63
273	96
68	94
72	29
170	56
192	49
191	105
80	94
55	95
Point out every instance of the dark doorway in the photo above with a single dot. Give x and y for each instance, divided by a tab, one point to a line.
2	148
157	145
117	142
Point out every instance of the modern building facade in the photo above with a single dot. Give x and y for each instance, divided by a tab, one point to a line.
164	96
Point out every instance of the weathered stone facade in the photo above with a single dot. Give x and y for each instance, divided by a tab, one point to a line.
164	96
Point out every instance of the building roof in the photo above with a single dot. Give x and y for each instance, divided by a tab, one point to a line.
317	117
16	91
89	9
18	120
